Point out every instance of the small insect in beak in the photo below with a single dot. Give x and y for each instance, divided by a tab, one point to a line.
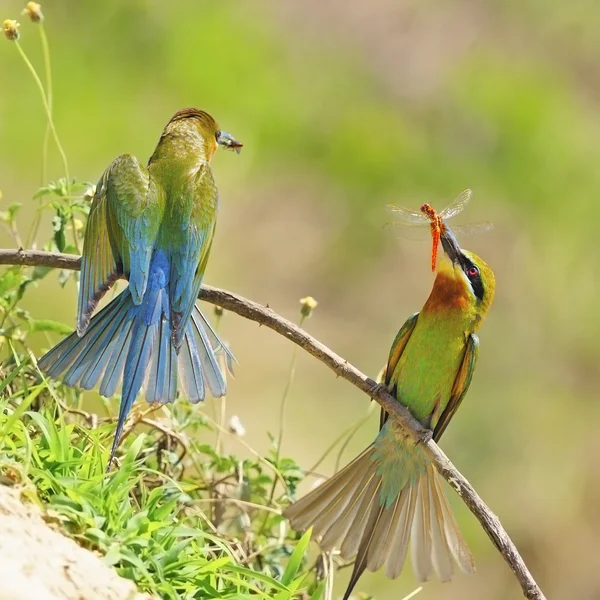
228	141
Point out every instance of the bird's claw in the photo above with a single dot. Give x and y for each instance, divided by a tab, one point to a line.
377	389
425	437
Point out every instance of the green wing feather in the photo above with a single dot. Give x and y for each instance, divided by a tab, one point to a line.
396	351
461	385
120	235
190	258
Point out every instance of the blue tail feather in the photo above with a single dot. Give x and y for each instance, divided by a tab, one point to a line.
64	354
71	353
160	384
211	368
132	344
87	348
190	369
101	349
147	326
113	375
104	346
215	342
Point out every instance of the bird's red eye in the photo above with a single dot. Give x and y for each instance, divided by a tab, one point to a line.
473	272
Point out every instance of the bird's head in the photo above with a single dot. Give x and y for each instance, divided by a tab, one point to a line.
199	126
463	281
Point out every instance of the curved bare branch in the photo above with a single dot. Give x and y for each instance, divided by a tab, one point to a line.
266	316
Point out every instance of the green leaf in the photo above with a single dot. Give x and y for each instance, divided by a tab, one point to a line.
7	380
215	565
296	559
45	190
49	325
20	410
316	595
259	576
40	272
9	281
58	225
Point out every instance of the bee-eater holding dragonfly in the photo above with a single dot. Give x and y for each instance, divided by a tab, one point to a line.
391	493
154	227
412	221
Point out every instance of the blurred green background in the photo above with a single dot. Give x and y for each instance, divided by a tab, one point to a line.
344	107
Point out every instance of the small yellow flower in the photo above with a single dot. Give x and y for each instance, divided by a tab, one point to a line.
11	29
307	305
34	11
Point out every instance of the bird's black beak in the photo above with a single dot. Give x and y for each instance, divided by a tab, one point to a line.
450	245
228	141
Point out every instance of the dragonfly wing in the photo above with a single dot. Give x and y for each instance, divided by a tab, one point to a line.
406	215
418	232
471	228
457	206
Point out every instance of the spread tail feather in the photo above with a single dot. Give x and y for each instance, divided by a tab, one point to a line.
349	511
131	344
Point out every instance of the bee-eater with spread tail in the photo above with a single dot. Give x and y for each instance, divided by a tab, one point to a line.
391	493
154	227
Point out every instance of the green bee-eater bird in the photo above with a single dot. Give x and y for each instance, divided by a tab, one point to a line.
391	492
154	227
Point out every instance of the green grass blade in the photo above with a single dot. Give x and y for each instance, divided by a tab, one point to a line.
296	558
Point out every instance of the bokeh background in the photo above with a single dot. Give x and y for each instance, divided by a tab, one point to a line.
344	106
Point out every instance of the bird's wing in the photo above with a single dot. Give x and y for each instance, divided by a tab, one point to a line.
396	351
461	385
120	235
190	259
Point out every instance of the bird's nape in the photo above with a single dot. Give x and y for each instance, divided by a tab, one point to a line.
207	120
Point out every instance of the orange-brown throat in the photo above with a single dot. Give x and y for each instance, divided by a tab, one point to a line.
448	293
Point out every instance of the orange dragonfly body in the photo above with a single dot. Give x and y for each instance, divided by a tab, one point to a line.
427	216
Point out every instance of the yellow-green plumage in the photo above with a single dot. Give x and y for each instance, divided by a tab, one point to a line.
391	493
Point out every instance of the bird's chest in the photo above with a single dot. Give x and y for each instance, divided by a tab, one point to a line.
427	369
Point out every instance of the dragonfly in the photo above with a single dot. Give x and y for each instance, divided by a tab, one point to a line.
409	221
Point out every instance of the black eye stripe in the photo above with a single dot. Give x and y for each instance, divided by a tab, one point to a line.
476	283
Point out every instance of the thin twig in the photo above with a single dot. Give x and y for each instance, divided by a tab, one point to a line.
342	368
238	502
346	435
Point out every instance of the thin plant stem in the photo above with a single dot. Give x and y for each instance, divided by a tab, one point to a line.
40	87
348	440
282	407
50	123
49	96
285	395
238	502
349	431
329	575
